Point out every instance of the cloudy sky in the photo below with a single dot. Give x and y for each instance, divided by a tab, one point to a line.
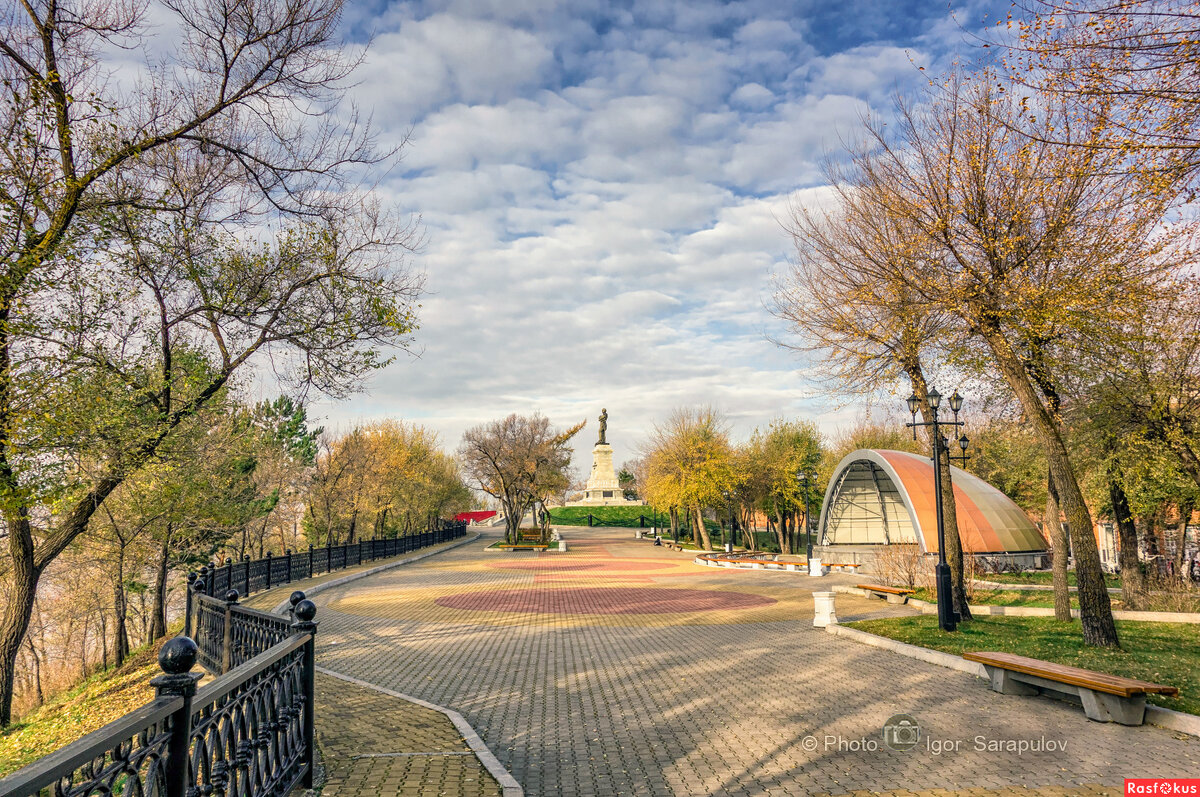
602	186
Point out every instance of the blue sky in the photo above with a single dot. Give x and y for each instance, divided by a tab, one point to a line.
602	187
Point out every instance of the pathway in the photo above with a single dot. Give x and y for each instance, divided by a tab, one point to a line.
621	668
372	743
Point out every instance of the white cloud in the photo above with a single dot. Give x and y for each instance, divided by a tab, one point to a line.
603	191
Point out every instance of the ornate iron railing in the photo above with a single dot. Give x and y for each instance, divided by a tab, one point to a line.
249	727
208	630
228	635
252	632
127	756
248	733
255	575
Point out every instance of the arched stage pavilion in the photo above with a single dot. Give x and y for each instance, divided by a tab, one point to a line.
879	497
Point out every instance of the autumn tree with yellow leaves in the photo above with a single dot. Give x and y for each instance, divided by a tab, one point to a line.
382	479
869	335
689	466
1125	71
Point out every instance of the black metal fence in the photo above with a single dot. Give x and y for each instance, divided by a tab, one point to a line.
248	733
255	575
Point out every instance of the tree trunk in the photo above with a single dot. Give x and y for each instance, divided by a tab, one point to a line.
512	521
1180	560
18	608
1052	522
83	643
1133	580
37	670
954	549
675	523
103	639
701	530
158	618
1095	609
780	531
120	612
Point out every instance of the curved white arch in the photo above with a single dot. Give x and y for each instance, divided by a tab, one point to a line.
875	458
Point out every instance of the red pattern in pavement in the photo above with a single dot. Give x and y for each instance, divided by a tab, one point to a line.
604	600
551	566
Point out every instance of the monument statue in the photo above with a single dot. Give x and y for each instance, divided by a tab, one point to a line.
603	487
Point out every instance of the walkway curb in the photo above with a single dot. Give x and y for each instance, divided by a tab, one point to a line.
508	784
987	609
1173	720
283	605
912	651
1166	718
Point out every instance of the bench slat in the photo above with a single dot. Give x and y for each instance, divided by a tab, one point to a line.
1075	676
890	590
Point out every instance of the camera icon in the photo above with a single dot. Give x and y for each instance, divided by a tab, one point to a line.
901	732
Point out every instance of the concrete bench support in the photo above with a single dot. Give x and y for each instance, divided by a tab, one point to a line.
1099	706
890	597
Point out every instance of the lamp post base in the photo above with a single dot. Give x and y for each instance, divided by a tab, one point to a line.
947	619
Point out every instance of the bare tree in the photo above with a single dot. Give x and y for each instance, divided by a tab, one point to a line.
136	274
870	334
520	461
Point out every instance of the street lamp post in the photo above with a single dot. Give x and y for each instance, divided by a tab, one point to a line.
802	476
947	617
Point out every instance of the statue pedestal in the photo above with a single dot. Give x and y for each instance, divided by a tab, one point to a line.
603	487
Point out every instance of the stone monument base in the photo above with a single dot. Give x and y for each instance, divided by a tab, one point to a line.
603	487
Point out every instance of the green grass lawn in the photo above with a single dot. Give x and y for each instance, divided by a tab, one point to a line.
90	705
1042	578
619	516
1044	599
625	516
1166	653
1001	597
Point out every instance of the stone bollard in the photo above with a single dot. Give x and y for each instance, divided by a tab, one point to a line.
637	535
823	609
815	569
562	546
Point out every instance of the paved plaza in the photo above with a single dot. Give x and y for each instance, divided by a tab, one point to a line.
620	668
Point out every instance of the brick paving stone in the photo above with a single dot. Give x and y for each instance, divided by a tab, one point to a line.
375	744
748	699
269	599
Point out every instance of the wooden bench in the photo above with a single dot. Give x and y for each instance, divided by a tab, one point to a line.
1105	698
529	536
890	594
841	566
